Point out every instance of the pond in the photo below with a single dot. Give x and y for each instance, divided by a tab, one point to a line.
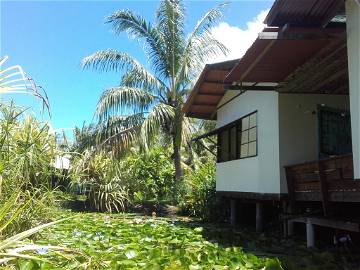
122	241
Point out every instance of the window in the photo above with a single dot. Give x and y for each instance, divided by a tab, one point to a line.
248	143
334	132
238	139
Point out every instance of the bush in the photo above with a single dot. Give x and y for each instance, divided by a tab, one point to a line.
97	176
27	152
150	175
200	198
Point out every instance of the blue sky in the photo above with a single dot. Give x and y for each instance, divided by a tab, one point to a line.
49	39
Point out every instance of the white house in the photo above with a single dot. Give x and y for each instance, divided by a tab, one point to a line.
288	111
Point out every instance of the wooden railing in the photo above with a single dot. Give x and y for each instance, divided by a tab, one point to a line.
323	180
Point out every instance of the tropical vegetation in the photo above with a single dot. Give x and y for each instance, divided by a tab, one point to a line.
137	192
154	96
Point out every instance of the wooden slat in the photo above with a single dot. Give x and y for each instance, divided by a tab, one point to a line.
323	187
325	181
326	72
216	75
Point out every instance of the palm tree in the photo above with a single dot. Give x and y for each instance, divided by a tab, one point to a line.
155	96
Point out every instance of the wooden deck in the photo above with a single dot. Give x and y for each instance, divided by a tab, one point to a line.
328	180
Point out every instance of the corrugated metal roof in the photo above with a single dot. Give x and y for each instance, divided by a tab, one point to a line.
314	13
273	60
270	60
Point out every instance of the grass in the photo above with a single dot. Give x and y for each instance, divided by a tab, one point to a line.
100	241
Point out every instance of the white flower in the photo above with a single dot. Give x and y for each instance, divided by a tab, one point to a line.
130	254
77	234
42	250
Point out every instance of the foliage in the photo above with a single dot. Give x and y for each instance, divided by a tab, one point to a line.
27	150
154	97
13	80
199	199
112	185
150	175
97	177
127	242
13	210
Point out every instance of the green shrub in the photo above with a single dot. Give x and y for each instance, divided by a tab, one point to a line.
150	175
199	199
96	175
27	152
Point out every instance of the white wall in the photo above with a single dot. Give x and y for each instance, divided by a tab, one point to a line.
230	94
298	134
353	45
255	174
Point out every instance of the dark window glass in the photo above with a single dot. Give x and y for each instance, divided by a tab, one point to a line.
233	143
334	132
224	145
238	140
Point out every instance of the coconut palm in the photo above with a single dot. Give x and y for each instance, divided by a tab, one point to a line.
154	95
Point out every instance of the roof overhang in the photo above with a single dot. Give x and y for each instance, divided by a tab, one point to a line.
274	61
208	90
276	53
308	13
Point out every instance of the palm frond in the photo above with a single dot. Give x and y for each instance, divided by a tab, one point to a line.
136	26
170	17
199	39
120	99
109	60
139	77
116	125
13	80
119	133
160	115
188	130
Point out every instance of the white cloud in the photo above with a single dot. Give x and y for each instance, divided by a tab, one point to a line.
238	40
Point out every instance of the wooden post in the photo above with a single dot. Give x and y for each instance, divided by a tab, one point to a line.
310	234
233	212
290	186
290	228
284	222
259	217
290	223
323	188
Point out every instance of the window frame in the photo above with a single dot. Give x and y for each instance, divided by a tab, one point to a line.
238	125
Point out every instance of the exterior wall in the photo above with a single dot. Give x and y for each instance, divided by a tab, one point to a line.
229	95
353	45
258	174
298	123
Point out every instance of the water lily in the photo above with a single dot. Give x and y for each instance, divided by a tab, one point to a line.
77	233
42	250
130	254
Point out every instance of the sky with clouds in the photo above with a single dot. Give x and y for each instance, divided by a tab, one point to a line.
49	39
238	39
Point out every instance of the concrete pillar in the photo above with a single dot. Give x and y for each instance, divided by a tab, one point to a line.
290	228
259	217
233	212
310	235
353	47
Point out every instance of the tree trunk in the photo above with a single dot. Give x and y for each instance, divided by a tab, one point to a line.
177	140
177	161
